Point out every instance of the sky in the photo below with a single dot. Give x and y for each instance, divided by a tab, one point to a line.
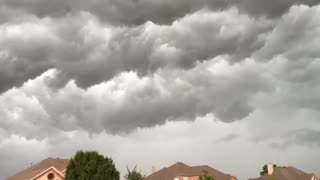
233	84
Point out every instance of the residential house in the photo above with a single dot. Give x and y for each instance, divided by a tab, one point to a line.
181	171
48	169
285	173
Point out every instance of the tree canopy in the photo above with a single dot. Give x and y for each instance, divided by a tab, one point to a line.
206	176
91	165
134	175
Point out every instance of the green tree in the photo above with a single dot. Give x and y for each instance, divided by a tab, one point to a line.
91	165
134	175
206	176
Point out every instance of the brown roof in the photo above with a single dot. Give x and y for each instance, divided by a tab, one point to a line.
59	164
181	169
287	173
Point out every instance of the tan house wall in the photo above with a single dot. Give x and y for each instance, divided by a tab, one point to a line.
194	178
187	178
44	176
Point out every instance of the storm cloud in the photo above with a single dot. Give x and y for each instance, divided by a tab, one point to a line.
134	12
233	77
85	49
129	101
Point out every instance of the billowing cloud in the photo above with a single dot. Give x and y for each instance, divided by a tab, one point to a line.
84	49
295	37
135	74
129	101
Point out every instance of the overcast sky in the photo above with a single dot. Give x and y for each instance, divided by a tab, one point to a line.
233	84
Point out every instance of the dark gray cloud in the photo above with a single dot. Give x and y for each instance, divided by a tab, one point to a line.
272	8
129	101
115	11
89	51
141	11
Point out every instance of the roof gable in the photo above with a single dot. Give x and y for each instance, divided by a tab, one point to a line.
287	173
56	171
170	172
28	173
181	169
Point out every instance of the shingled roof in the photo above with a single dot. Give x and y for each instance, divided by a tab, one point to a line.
59	164
181	169
286	173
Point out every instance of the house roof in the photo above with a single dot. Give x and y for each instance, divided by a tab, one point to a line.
59	164
286	173
181	169
50	169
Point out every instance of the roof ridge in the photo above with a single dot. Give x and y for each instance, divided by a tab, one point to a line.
181	163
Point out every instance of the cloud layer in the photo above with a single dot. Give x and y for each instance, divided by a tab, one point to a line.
140	11
129	101
144	71
90	52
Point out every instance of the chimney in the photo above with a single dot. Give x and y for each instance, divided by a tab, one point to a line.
270	168
153	170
